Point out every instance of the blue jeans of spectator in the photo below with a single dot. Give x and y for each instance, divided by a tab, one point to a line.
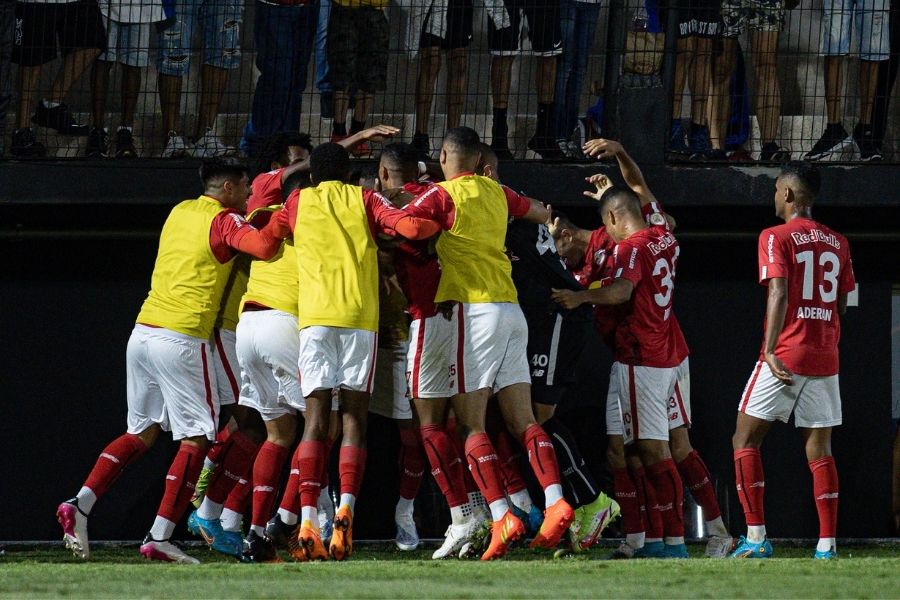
578	24
220	23
284	38
322	83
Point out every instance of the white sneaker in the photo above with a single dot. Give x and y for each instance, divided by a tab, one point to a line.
455	537
175	146
210	146
719	547
407	536
166	551
74	525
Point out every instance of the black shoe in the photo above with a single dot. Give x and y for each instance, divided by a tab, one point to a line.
699	146
326	105
865	141
422	145
279	533
58	118
125	144
834	142
259	549
97	144
25	145
546	147
772	152
501	148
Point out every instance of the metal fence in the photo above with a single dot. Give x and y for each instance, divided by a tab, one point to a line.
745	80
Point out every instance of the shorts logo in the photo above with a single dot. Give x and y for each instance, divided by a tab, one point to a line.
537	373
20	29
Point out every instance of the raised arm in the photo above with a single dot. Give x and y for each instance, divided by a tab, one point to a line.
631	172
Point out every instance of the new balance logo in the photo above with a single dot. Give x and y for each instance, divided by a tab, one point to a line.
828	496
699	485
263	488
487	458
109	457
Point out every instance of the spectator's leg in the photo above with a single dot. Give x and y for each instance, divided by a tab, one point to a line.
99	91
212	88
304	32
587	15
698	78
173	62
833	84
429	68
501	74
868	81
74	65
458	64
222	52
324	12
169	100
564	73
723	65
341	104
27	84
768	93
131	87
7	27
684	51
361	110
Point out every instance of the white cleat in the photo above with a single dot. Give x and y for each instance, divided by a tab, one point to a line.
210	146
407	535
165	551
74	525
175	146
719	547
456	536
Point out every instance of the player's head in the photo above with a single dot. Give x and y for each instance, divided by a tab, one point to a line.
619	208
460	152
329	162
366	177
282	149
489	165
565	234
226	180
399	165
796	188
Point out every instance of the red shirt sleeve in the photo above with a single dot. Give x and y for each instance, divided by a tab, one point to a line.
287	217
434	204
383	215
848	280
227	228
627	263
266	190
771	257
517	204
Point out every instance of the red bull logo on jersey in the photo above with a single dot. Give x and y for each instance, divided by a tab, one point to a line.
815	235
666	241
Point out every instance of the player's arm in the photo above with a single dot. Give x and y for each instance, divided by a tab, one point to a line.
394	221
523	207
631	172
776	309
231	232
373	134
618	292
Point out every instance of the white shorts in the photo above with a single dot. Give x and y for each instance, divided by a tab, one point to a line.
336	357
490	347
679	405
127	43
390	394
268	344
815	401
171	382
225	361
429	357
644	394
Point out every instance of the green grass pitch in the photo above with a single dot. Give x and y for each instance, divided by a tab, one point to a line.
381	572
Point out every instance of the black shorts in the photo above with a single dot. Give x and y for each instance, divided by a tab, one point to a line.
39	27
542	20
358	46
698	18
555	344
459	27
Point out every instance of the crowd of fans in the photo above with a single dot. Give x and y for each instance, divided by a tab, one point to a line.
351	41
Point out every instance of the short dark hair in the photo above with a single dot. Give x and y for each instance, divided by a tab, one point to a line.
620	196
463	140
329	162
487	155
804	175
295	181
213	170
275	148
401	157
369	173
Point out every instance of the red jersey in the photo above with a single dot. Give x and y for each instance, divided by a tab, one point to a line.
417	268
648	334
815	262
265	190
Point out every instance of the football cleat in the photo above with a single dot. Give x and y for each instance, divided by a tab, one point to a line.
557	519
309	544
407	536
341	546
230	543
166	551
651	550
260	549
455	538
829	554
503	533
718	546
595	517
479	540
280	533
676	551
624	552
748	549
74	526
200	487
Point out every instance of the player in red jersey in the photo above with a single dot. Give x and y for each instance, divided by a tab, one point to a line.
807	269
648	343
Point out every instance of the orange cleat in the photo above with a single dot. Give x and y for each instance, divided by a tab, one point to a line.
557	519
503	533
309	544
342	536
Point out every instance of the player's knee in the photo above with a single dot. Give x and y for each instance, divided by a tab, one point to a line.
615	456
149	435
198	441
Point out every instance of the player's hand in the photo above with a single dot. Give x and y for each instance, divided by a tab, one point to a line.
391	284
601	183
781	372
379	133
568	299
602	148
551	223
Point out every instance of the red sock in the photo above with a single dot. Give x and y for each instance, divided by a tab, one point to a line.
541	455
459	445
751	484
669	490
215	452
266	472
352	466
311	456
482	459
180	482
120	453
695	474
825	491
236	460
240	496
627	497
412	463
446	465
508	461
652	520
290	499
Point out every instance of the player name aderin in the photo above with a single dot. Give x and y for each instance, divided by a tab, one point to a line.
815	235
812	312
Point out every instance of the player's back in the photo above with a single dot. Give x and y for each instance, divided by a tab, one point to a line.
815	261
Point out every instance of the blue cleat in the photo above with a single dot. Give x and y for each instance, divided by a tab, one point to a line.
676	551
193	524
829	554
651	550
748	549
230	543
535	519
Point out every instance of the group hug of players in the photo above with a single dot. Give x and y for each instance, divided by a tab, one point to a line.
460	308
